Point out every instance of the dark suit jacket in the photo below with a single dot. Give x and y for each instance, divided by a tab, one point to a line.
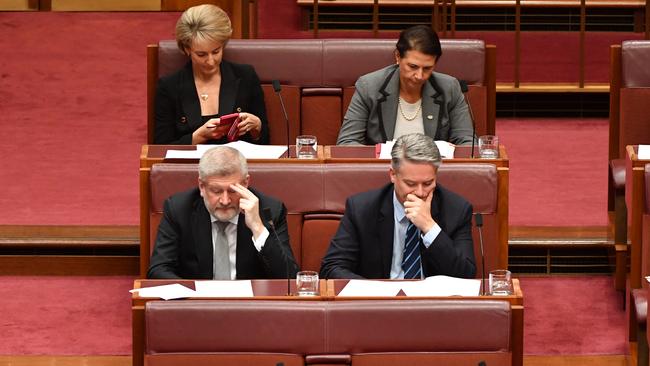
178	110
363	244
371	116
183	246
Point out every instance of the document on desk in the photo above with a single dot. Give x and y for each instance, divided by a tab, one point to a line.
243	288
369	288
165	292
442	286
446	149
250	151
644	152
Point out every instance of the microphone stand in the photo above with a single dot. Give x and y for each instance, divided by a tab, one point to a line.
269	220
478	218
464	88
277	88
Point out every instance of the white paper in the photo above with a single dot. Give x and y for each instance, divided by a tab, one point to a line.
644	152
364	288
442	286
250	151
446	149
226	288
386	148
647	278
165	292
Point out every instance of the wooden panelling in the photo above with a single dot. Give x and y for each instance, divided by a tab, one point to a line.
68	265
105	5
20	5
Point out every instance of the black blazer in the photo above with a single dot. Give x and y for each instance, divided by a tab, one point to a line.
183	246
363	244
178	110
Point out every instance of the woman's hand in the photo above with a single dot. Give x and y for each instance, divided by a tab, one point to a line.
250	123
211	130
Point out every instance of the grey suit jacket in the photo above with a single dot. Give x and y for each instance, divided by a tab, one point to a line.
370	118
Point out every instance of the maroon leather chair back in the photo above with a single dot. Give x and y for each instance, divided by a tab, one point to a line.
424	331
635	94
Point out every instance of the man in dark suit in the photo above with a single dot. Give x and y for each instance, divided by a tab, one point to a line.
215	231
412	228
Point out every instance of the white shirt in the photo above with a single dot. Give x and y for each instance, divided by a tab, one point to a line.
231	235
399	236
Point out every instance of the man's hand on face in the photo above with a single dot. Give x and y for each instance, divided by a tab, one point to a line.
418	211
249	205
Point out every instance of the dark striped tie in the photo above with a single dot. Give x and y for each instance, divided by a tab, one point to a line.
411	259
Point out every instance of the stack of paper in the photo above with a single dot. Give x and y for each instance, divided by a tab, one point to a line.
434	286
446	149
203	289
250	151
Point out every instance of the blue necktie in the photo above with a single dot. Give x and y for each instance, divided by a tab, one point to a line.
411	258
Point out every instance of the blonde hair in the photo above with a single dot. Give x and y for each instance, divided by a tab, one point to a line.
202	22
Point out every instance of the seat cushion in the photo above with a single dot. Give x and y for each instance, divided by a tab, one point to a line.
640	298
617	167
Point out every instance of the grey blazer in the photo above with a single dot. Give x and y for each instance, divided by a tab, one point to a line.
370	118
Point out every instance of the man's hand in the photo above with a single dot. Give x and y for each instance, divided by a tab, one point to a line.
418	211
249	205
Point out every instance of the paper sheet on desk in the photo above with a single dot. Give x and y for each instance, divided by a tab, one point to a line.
165	292
442	286
644	152
365	288
250	151
242	288
446	149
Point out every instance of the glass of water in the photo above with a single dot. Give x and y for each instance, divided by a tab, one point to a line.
307	283
306	147
500	282
488	147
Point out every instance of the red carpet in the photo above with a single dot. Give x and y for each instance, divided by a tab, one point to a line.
91	316
573	316
65	315
73	102
558	171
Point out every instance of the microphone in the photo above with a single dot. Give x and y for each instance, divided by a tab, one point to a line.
278	89
481	363
478	219
464	88
266	212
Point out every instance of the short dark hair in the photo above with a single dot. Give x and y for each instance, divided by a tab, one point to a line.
419	38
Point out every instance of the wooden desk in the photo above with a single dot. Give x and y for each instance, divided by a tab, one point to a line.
270	290
635	201
516	301
262	290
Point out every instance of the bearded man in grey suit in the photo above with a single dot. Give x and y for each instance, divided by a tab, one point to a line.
408	97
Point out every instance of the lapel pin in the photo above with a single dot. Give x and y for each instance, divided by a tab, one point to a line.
183	119
429	116
238	109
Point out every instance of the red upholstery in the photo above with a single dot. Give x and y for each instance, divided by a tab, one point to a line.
318	77
635	71
328	331
315	196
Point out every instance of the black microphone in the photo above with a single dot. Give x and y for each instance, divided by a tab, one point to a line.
266	212
278	89
464	88
478	219
481	363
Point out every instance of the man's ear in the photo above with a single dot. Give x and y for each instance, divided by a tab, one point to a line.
397	58
201	187
392	175
246	181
